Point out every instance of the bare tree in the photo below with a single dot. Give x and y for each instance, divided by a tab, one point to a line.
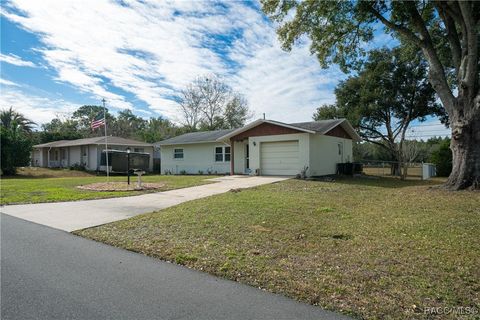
408	151
190	102
215	95
208	103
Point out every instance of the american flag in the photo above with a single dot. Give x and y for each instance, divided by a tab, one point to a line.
98	121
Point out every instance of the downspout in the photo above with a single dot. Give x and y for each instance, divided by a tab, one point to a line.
48	157
232	158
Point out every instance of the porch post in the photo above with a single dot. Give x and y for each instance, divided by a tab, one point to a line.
232	157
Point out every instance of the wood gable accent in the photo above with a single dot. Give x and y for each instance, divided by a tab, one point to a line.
264	129
338	132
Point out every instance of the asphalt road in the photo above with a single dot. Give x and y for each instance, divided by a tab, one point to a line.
51	274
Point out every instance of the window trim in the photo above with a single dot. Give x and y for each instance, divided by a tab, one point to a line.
182	153
224	153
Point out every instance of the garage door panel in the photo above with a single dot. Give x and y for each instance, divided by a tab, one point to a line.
280	158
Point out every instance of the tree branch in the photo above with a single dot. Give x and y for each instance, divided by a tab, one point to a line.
452	34
437	71
472	48
397	27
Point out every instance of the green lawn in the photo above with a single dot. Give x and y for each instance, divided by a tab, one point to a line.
374	249
42	188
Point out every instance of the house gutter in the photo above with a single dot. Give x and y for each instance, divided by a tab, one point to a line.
48	157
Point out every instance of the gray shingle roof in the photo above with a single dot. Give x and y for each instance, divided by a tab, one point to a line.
95	140
195	137
321	126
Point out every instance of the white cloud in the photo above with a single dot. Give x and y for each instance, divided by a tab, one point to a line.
15	60
36	108
6	82
152	49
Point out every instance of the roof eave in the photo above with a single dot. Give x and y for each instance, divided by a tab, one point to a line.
182	143
258	122
351	130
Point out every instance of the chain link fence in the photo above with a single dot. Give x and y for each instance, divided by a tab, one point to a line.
391	169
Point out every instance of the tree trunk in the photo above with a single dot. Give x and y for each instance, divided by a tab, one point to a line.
395	169
465	146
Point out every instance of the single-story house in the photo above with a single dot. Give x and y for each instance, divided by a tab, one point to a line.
86	152
262	147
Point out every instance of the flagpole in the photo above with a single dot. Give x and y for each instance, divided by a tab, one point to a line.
106	143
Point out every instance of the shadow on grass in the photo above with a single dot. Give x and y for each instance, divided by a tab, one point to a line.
384	182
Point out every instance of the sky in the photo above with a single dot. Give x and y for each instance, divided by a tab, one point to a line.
59	55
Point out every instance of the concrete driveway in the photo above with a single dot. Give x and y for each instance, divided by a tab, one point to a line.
75	215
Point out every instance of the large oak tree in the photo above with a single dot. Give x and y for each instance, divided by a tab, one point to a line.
446	32
383	99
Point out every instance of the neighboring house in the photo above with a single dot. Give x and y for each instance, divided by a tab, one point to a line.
86	152
263	147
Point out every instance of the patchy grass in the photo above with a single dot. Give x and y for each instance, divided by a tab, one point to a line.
370	248
28	189
37	172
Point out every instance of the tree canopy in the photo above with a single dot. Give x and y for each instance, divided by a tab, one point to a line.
384	98
16	140
445	32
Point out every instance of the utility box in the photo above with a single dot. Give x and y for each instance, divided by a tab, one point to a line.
429	170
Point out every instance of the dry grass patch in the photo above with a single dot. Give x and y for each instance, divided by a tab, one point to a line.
120	186
370	248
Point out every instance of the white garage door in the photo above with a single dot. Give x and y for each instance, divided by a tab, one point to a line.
279	158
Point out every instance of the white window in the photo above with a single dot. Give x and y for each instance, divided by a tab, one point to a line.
227	154
178	153
222	154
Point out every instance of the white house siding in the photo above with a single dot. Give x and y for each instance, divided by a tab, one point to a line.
324	154
92	158
196	157
303	139
74	155
37	157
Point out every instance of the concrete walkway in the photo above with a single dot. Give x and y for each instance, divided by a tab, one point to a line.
75	215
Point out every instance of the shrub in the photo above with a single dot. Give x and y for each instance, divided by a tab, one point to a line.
183	172
442	158
200	172
15	150
78	167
